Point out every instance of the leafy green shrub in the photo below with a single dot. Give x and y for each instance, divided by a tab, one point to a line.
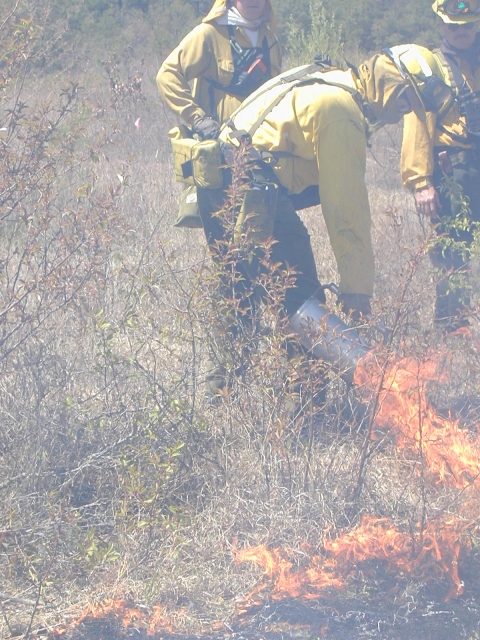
324	36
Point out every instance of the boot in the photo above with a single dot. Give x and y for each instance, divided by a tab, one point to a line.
309	397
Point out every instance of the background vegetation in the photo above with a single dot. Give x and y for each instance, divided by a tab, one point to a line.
95	29
117	477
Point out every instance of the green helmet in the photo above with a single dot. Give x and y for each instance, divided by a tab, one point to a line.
424	72
457	11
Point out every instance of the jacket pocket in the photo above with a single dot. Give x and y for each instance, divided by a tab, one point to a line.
225	71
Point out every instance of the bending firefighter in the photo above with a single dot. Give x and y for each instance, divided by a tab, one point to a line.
226	57
308	131
441	160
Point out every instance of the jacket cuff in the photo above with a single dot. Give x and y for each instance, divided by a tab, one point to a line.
192	115
422	183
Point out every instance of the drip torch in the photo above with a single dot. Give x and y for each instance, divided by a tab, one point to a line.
329	338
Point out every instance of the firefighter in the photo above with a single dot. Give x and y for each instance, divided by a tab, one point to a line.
226	57
218	55
309	130
440	160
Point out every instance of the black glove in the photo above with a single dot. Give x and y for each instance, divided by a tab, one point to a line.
206	128
355	305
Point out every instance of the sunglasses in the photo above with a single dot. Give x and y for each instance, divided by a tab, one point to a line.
453	26
461	7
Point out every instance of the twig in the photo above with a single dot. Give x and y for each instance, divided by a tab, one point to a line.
7	598
41	582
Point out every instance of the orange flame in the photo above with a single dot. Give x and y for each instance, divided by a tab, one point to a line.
122	611
435	551
451	456
431	554
402	408
306	583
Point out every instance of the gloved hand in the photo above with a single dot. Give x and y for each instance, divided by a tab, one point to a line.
206	128
355	305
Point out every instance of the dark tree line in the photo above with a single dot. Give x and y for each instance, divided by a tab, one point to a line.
361	26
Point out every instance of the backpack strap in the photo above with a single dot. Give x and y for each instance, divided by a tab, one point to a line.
301	78
241	85
457	83
455	77
284	79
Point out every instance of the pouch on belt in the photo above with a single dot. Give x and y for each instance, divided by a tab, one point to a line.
196	162
182	142
256	218
188	212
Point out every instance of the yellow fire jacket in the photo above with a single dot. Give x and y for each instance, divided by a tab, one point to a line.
420	137
206	53
317	134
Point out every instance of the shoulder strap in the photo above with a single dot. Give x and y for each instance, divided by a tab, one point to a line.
242	60
454	74
300	78
457	82
291	85
283	79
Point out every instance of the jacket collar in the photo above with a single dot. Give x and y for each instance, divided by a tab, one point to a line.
470	55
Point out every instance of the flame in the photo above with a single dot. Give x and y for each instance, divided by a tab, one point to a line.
306	583
449	452
122	611
434	550
433	553
451	455
402	409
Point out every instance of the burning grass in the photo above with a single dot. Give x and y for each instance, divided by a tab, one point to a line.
329	563
450	452
122	616
426	555
449	455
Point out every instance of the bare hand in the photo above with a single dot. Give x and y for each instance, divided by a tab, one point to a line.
428	202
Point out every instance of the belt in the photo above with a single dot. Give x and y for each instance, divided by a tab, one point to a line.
458	155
